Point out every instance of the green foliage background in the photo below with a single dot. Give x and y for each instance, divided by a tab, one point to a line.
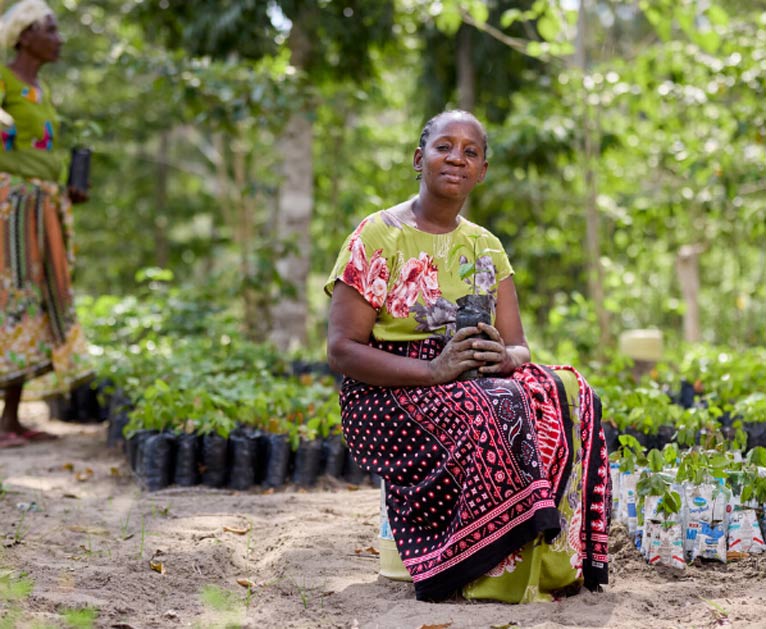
676	91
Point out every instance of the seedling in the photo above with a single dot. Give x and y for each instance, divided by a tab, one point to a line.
469	269
125	524
21	532
143	538
15	588
80	618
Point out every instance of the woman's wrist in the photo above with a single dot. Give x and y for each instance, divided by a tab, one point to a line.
517	355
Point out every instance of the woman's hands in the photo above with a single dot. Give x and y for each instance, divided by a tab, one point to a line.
457	356
466	350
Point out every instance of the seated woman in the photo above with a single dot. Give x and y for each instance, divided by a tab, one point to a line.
492	487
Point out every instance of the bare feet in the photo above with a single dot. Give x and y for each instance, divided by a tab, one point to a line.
11	440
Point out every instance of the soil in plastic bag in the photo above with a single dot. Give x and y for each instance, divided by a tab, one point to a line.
119	407
84	406
278	464
136	450
611	436
352	472
686	395
214	460
756	434
333	456
158	460
472	310
187	460
241	452
662	438
308	459
260	446
641	437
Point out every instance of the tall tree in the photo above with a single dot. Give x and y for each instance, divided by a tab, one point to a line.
324	41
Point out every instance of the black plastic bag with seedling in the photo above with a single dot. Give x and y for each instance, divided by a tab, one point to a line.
158	460
214	460
187	459
241	454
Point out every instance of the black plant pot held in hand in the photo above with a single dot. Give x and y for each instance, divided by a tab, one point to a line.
472	310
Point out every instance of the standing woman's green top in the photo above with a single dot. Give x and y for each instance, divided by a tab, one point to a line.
27	146
39	331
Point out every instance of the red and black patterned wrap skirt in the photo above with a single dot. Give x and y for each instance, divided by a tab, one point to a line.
474	470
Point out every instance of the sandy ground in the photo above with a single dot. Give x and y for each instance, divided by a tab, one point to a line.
173	558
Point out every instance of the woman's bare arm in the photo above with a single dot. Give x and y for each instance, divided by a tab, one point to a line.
350	325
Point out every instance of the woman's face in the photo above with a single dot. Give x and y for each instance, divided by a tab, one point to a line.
452	161
42	40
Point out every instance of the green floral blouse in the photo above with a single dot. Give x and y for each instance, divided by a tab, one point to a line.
27	146
412	277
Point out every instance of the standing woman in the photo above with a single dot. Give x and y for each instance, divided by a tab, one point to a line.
494	487
38	326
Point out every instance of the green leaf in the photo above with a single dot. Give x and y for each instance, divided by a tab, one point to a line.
479	11
671	502
449	20
509	17
466	270
709	40
717	15
549	27
535	49
656	460
757	456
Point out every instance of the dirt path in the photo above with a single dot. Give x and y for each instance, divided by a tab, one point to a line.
77	533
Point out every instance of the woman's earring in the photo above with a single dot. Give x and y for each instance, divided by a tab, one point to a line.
418	177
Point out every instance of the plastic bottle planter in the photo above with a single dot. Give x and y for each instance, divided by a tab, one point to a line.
472	310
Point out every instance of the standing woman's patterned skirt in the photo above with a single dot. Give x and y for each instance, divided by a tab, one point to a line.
493	486
38	325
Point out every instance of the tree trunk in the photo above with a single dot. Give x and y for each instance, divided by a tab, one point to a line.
687	268
466	72
592	219
161	249
296	200
466	80
253	319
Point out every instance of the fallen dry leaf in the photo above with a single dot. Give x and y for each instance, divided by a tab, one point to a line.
114	471
369	550
69	467
85	475
247	583
157	566
231	529
268	492
444	626
507	625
